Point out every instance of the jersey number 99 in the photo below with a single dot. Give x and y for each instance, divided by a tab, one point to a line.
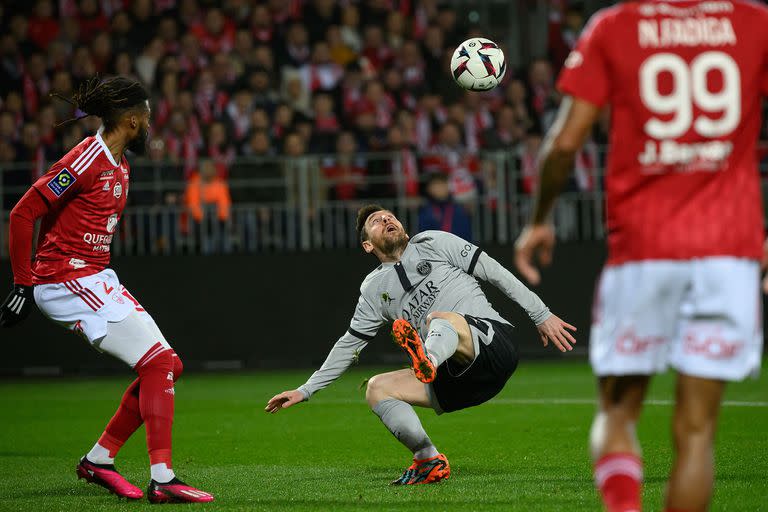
689	87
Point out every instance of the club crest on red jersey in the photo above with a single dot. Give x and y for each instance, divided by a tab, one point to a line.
61	182
118	190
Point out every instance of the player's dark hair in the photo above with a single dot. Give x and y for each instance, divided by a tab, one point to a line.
362	216
108	99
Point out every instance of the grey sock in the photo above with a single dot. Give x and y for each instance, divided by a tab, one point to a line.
400	418
442	341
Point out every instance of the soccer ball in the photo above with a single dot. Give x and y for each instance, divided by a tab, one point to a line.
478	64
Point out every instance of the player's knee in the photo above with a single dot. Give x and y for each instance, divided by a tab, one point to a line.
607	427
692	429
178	367
162	362
375	390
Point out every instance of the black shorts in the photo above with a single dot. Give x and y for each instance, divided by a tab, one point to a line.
457	387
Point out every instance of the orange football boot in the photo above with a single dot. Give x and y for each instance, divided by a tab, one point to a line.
426	471
406	336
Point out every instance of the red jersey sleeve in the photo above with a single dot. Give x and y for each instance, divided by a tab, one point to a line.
585	74
60	183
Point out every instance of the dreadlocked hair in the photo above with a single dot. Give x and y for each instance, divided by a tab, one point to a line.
108	99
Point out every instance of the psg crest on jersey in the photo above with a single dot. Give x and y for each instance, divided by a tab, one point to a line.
424	268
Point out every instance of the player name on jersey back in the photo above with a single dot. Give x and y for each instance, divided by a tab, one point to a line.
684	80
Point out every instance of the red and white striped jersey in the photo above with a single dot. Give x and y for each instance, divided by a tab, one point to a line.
87	191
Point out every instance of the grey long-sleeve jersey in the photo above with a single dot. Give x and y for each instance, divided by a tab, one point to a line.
435	273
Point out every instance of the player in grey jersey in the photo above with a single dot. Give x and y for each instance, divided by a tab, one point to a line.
427	287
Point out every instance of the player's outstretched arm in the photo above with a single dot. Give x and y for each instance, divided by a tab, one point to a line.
571	128
556	330
284	400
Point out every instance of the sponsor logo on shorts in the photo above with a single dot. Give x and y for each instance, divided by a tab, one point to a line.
630	343
711	345
61	182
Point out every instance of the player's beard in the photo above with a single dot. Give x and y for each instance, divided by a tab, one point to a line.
138	144
392	245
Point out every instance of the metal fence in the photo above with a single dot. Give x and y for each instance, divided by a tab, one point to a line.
288	204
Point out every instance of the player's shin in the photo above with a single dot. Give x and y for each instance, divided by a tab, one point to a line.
618	474
123	424
156	395
400	418
442	341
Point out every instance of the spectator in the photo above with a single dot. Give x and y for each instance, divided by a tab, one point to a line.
121	33
35	83
441	212
261	25
90	19
326	124
350	28
258	145
544	96
206	191
451	158
216	34
321	74
507	132
404	171
206	187
296	51
43	27
294	94
239	113
375	49
565	25
219	148
346	172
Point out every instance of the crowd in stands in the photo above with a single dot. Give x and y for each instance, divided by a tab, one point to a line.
235	79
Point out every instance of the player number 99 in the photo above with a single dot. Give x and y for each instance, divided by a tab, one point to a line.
690	87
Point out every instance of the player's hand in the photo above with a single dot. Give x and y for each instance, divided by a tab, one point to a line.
17	306
536	241
284	400
556	330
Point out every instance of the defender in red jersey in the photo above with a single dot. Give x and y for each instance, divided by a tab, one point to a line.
684	81
80	201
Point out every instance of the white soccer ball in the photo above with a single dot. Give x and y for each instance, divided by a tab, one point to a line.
478	64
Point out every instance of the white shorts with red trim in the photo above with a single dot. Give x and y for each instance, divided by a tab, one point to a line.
104	312
702	317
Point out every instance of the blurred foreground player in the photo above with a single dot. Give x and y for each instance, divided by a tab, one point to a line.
80	201
428	286
681	286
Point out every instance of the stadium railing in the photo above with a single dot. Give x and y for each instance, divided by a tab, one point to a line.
289	204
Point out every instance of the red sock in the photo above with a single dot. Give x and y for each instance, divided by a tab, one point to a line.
618	477
155	370
127	419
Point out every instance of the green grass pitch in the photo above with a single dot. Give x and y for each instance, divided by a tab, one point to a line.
525	450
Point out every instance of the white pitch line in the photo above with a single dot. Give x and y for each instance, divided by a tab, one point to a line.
563	401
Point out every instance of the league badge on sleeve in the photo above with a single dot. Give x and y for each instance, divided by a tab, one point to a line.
61	182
